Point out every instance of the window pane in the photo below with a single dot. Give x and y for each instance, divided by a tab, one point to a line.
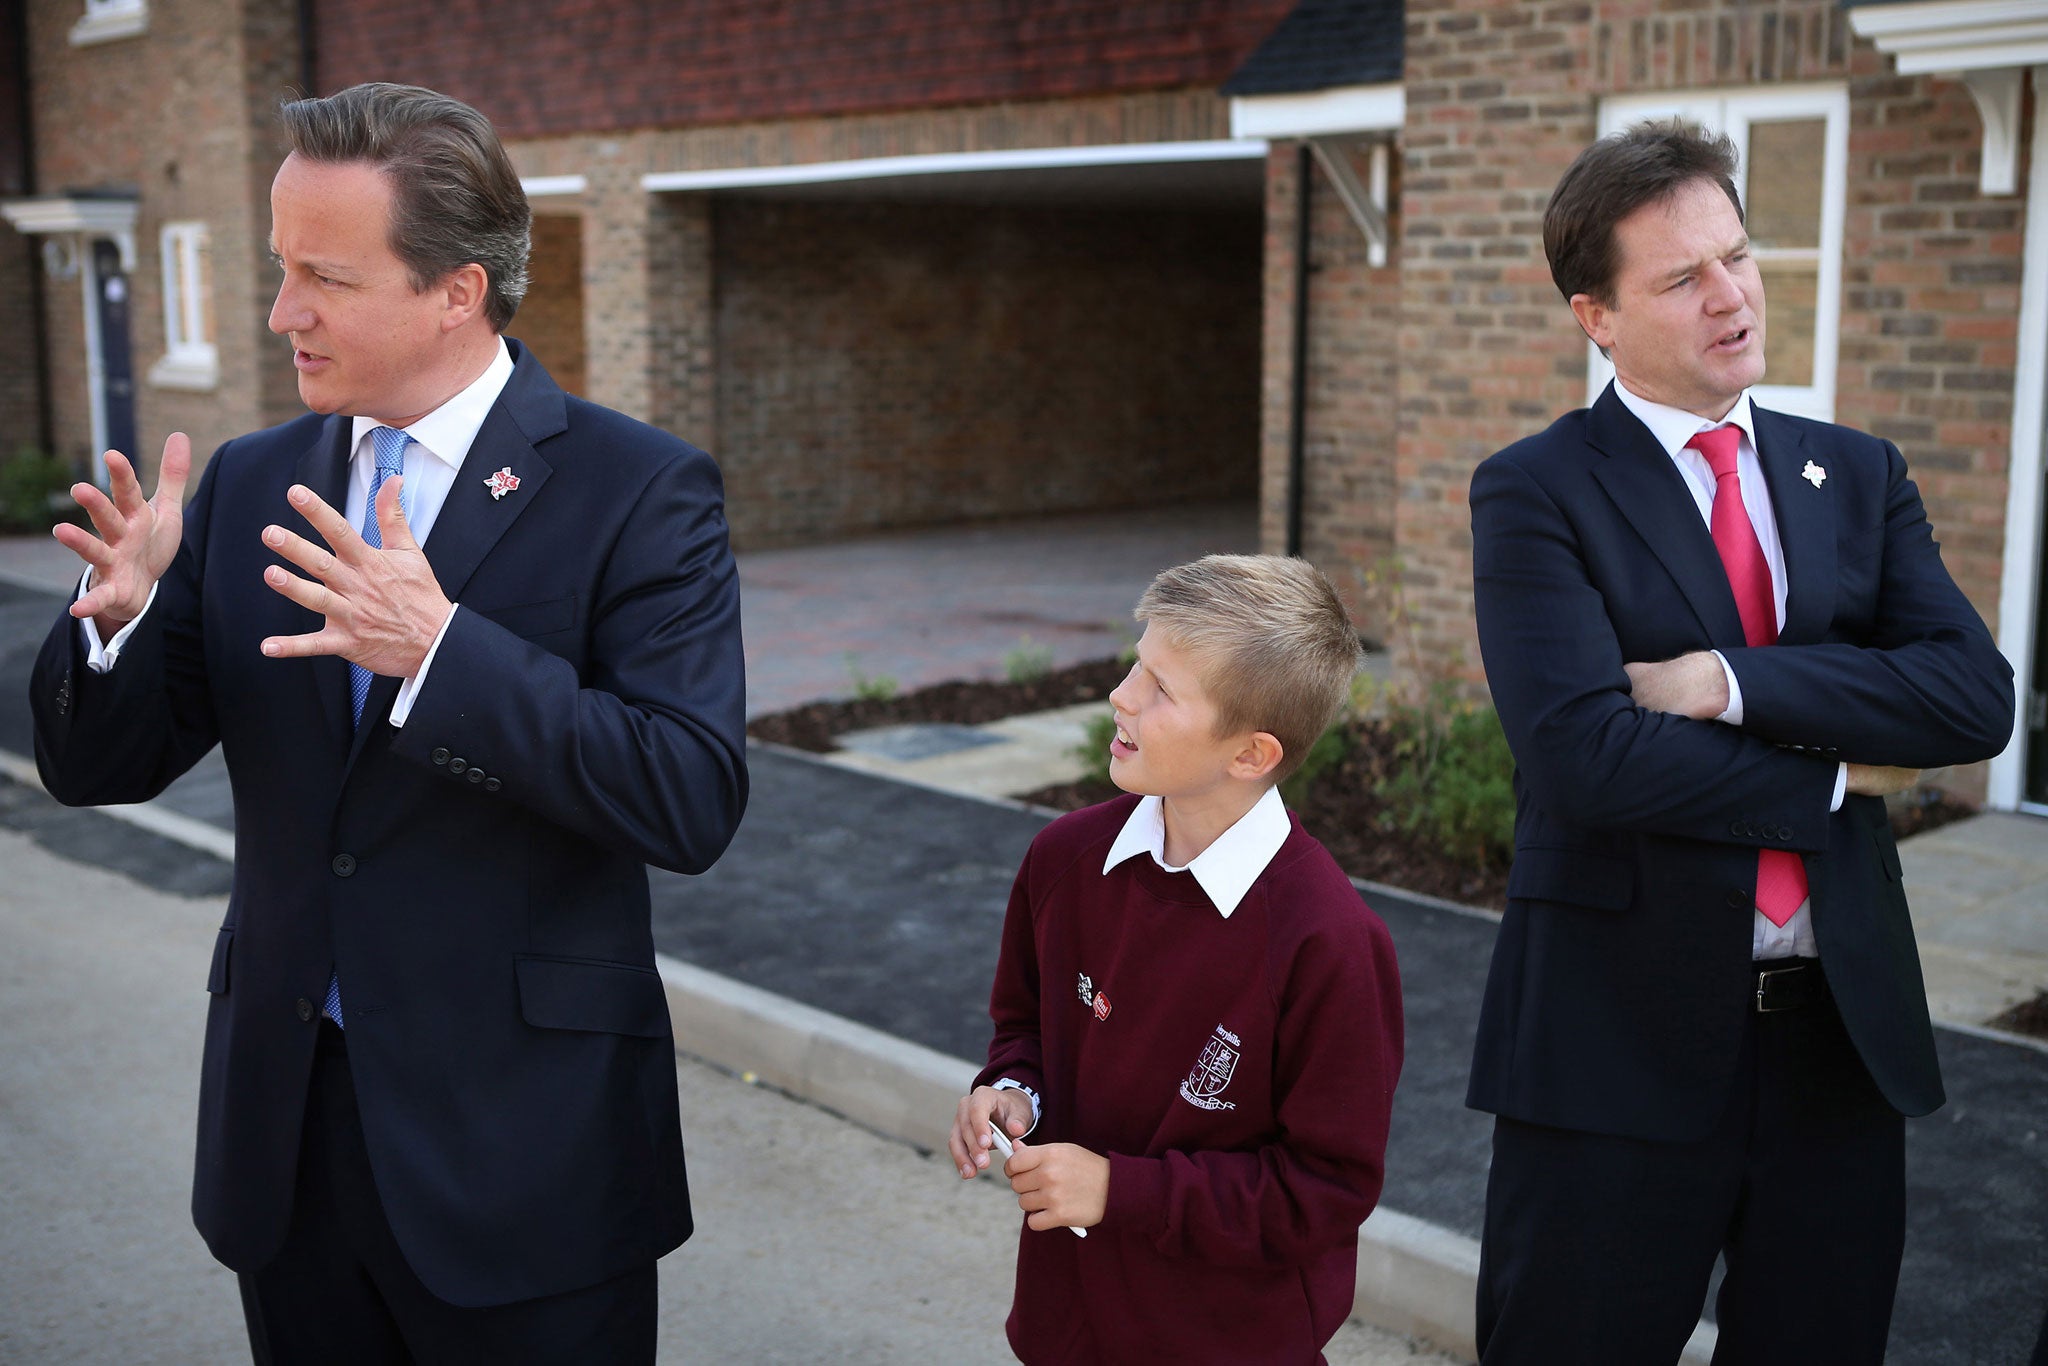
1791	291
1786	163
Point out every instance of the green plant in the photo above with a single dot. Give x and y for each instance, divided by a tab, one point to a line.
32	489
869	688
1453	782
1093	751
1330	748
1028	663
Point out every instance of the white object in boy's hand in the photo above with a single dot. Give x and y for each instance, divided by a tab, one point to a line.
1008	1150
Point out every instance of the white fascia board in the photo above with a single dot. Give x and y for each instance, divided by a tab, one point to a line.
946	163
539	185
1956	35
100	217
1345	109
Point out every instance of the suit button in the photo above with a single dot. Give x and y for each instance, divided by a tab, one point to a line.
344	865
439	756
476	775
1735	829
305	1009
458	765
492	784
1783	833
1738	900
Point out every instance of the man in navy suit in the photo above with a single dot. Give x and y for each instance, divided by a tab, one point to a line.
471	649
1716	637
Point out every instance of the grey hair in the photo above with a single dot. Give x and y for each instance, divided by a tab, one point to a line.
456	198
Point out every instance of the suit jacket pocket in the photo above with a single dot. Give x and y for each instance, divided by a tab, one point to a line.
217	975
1546	873
531	619
587	994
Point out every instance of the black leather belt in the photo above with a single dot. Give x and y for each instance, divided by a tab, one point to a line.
1788	984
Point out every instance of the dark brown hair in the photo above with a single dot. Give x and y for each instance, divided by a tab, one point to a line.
1646	163
455	198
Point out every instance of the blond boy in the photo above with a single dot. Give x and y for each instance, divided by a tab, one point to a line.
1197	1020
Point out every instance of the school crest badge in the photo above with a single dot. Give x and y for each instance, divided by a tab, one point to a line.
1212	1072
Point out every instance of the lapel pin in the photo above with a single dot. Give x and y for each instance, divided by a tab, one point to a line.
504	482
1812	474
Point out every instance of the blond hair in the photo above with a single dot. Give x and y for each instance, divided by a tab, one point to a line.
1270	640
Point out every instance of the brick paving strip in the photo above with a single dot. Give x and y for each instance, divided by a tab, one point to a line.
843	948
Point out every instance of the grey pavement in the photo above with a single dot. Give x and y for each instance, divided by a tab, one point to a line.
817	1240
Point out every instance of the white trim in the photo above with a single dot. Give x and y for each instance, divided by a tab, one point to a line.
114	218
104	21
1345	109
1997	95
95	364
539	185
190	361
951	163
2019	576
1733	112
1955	35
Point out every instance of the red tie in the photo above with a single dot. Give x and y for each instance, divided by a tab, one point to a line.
1780	875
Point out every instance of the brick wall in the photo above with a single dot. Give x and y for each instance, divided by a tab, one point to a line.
553	66
1353	366
889	365
129	115
550	319
1501	98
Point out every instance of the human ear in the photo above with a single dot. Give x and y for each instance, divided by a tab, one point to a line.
1596	320
466	289
1260	754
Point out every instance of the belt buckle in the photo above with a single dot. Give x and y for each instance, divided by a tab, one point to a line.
1762	981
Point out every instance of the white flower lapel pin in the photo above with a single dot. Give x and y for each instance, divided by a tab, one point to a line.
1814	474
504	482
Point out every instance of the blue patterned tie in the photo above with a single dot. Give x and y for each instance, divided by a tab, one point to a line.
390	444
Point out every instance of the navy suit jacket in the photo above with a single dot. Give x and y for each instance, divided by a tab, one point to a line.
477	876
1621	978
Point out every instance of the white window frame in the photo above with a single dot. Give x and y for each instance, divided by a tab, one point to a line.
189	361
1732	112
104	21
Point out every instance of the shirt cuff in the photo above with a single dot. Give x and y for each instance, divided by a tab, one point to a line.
1841	787
1733	714
1012	1084
409	691
102	657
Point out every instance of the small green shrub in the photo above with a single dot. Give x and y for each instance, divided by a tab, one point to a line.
1028	663
1093	751
32	488
1330	748
1454	778
866	687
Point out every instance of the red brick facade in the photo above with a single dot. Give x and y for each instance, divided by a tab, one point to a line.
559	66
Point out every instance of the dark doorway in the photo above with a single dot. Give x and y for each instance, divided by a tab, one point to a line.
117	365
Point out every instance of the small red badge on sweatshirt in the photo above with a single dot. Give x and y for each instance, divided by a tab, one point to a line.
1101	1005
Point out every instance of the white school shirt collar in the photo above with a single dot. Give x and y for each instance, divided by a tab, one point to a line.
1673	427
1225	870
450	430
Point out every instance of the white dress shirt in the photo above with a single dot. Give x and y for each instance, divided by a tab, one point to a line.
440	442
1673	427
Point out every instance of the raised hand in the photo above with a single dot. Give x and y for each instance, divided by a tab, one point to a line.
383	606
138	539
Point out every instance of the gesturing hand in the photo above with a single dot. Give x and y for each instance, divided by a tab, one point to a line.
137	540
383	607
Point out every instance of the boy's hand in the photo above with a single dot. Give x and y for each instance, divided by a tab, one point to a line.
969	1142
1059	1184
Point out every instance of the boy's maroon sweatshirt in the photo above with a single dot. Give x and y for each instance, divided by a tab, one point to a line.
1239	1075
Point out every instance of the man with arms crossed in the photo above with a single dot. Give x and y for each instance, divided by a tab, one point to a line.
1716	636
471	649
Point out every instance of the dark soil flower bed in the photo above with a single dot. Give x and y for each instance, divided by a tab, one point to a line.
1340	809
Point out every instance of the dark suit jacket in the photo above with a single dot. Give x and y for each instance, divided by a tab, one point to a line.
1621	978
477	875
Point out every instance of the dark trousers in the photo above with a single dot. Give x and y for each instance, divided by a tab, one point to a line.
1598	1249
340	1291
